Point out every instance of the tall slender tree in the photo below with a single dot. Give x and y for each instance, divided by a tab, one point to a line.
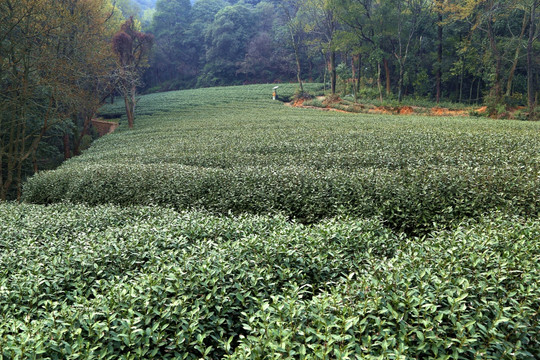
295	28
322	25
534	33
131	48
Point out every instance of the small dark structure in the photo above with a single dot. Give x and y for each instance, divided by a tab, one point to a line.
104	127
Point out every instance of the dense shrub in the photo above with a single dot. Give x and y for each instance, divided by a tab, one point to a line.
464	294
236	150
142	282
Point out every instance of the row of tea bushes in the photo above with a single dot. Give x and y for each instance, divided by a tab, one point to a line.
410	200
142	282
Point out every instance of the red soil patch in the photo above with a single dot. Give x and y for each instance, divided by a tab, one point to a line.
398	110
380	110
405	110
438	111
298	102
482	110
388	110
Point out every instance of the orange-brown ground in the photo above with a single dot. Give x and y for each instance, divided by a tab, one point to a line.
391	110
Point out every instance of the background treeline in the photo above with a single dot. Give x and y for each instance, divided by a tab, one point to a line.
464	51
58	64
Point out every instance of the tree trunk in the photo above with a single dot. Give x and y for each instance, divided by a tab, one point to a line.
19	181
325	72
67	149
333	73
359	75
34	162
498	61
387	74
471	90
86	126
298	70
379	81
133	100
439	59
400	81
478	91
530	77
354	72
461	74
359	82
516	55
129	111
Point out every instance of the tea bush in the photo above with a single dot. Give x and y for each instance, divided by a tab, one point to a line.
235	150
146	282
461	294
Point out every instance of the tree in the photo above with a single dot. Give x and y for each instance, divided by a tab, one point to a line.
360	21
50	54
410	17
87	46
128	8
484	16
295	27
227	39
203	14
518	42
171	58
439	50
322	25
534	33
131	48
266	59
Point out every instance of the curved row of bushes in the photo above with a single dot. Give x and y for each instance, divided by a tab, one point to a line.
138	282
410	200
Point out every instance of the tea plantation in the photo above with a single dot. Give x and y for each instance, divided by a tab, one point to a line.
229	226
234	150
144	282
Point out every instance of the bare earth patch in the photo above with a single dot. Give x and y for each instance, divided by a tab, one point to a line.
334	105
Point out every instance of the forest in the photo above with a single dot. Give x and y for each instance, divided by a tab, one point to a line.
463	51
60	61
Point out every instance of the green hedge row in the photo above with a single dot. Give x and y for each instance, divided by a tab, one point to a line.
141	282
410	200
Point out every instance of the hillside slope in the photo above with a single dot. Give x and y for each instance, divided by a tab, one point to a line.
235	150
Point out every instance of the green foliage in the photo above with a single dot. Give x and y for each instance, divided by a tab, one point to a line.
171	21
235	150
145	282
314	102
464	294
227	40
